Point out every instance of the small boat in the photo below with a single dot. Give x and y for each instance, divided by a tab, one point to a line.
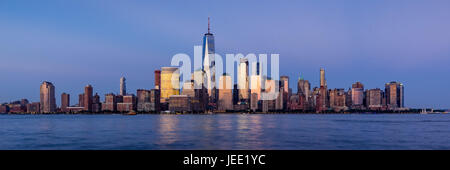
132	112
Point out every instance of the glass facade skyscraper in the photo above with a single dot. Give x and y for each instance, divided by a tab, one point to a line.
209	63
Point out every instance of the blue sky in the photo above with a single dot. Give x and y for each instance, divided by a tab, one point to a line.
74	43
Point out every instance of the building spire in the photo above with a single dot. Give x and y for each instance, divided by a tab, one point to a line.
208	26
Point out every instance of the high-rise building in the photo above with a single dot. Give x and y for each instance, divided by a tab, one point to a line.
225	101
304	88
322	103
357	95
157	79
235	94
394	95
323	82
243	80
209	63
284	84
88	98
170	83
123	86
65	101
323	90
47	96
255	85
96	104
196	90
374	99
81	100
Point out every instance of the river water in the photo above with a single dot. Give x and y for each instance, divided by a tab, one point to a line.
226	131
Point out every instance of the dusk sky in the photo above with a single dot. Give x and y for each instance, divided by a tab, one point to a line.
75	43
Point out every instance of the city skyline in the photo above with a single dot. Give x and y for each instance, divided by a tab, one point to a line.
345	63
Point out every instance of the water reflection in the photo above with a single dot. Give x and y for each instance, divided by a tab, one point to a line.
250	132
167	129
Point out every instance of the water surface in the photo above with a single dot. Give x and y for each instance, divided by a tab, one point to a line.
226	131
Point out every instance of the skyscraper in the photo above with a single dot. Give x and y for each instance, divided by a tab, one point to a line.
225	101
374	98
394	95
323	82
81	100
304	88
209	63
65	101
88	98
323	90
123	87
47	97
157	79
357	94
284	84
243	80
170	82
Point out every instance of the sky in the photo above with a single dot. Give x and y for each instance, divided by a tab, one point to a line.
75	43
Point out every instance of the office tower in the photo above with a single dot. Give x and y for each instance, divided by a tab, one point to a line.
65	101
322	102
157	79
81	100
394	95
47	96
374	99
323	90
235	94
209	63
123	87
96	104
196	90
270	91
256	79
110	103
243	80
88	98
323	82
304	88
256	69
279	101
225	101
170	83
254	102
357	95
284	84
255	85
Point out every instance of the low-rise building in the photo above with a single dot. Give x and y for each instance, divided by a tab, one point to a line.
180	103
